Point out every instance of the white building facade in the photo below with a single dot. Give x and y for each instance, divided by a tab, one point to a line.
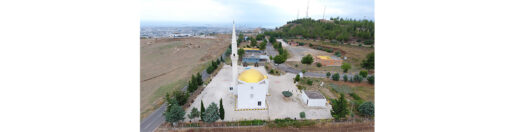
313	98
250	86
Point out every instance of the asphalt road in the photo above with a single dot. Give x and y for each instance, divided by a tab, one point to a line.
151	122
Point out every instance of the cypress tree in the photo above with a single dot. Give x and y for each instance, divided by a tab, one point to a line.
202	109
222	111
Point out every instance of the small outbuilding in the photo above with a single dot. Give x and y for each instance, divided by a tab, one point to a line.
313	98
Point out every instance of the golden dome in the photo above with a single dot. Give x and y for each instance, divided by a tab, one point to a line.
251	76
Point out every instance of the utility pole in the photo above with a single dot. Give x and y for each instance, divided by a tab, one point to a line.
323	16
307	8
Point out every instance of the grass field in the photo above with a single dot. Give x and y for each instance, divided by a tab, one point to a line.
331	89
167	64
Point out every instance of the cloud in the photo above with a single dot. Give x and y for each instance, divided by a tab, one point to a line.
272	12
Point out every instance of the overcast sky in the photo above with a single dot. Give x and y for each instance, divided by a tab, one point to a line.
250	12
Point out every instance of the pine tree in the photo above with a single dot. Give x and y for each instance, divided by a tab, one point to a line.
222	111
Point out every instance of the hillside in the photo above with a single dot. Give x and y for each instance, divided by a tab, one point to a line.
335	29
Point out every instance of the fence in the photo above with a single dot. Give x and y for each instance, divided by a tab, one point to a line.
260	123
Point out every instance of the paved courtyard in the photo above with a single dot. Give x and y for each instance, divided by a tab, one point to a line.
278	106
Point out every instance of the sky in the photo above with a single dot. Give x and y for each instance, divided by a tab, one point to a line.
253	13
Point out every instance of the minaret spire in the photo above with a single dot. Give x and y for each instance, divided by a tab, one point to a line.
234	59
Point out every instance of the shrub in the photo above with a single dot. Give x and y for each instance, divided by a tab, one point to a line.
297	78
370	79
366	109
296	65
355	96
287	93
337	53
336	76
328	74
345	78
368	42
319	64
303	71
358	78
363	73
302	115
252	122
194	113
309	82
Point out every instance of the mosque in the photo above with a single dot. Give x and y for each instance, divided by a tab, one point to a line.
250	86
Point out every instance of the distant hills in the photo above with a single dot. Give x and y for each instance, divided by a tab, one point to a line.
335	29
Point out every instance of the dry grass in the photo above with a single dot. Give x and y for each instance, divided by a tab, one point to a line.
167	64
354	53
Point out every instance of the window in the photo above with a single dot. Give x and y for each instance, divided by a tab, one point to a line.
259	103
230	88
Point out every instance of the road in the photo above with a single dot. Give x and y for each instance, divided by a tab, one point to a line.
151	122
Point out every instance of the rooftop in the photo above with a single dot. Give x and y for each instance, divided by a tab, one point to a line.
327	58
251	76
314	95
250	49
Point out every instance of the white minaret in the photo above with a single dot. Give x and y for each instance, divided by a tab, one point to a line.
234	58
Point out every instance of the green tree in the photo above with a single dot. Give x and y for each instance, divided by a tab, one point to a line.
366	109
336	76
319	64
339	107
345	78
194	113
212	114
240	38
175	113
222	111
199	79
202	110
279	59
260	36
363	73
370	79
262	46
328	74
241	52
368	63
181	97
253	42
191	87
346	67
308	59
